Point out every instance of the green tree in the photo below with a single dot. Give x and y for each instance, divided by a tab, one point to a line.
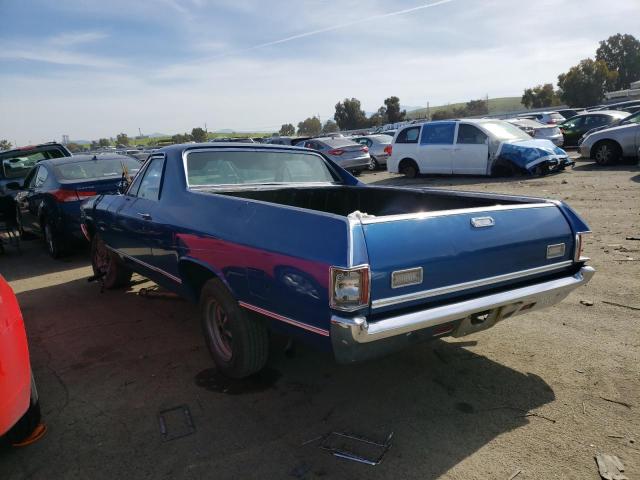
349	115
5	144
444	114
104	142
330	127
621	53
181	138
584	84
198	134
287	129
540	96
122	139
311	126
475	108
74	147
392	109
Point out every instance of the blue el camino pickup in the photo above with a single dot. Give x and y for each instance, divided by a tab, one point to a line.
268	237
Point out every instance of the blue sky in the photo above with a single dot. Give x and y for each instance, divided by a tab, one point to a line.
92	69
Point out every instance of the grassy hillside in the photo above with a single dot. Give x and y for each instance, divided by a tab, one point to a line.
496	105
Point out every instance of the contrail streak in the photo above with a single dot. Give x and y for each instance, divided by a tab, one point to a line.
336	27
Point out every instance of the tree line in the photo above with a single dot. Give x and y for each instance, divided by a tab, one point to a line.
615	66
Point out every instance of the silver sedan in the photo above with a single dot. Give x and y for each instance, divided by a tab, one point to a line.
345	152
539	130
378	150
611	144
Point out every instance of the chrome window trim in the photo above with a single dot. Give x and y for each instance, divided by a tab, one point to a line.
187	151
409	297
144	264
457	211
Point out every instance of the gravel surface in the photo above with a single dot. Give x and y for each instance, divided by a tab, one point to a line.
536	394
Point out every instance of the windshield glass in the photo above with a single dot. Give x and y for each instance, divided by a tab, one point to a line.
18	164
256	167
505	131
104	168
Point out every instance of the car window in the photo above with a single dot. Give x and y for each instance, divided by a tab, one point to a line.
31	177
574	123
437	133
211	168
595	121
151	180
632	119
469	134
408	135
97	169
41	177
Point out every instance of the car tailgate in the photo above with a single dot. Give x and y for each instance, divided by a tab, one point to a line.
458	258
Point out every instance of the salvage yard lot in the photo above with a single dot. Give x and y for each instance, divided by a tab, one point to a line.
535	394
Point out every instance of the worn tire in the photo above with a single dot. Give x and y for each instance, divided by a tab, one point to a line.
52	240
606	153
246	349
25	426
409	168
104	261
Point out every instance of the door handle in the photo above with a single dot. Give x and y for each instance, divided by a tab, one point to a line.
145	216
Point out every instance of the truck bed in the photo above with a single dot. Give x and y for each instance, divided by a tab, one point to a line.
378	201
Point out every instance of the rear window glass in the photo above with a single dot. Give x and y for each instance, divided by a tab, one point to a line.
437	133
18	164
338	142
557	116
238	168
103	168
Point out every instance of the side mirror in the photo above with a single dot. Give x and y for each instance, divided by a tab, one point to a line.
14	186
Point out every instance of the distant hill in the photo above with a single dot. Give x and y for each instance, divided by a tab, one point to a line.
496	105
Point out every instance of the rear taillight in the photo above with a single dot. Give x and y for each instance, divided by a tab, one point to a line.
336	152
350	288
577	254
388	149
364	149
72	195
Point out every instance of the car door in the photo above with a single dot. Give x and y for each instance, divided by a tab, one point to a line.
435	151
134	218
471	151
29	199
572	130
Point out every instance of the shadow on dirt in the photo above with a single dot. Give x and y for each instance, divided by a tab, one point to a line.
107	363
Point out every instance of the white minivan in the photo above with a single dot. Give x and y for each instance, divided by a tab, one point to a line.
472	147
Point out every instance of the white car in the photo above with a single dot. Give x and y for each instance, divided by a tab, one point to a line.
472	147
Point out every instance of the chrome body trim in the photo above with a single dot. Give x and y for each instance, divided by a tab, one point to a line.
346	332
483	222
457	211
419	270
409	297
290	321
146	265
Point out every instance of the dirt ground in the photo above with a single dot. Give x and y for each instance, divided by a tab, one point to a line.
536	394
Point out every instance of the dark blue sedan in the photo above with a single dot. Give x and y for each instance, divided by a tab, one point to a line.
49	201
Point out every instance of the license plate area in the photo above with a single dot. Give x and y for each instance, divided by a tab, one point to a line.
485	319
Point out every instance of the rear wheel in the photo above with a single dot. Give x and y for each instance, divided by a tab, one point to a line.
238	341
606	153
107	266
373	164
409	168
51	239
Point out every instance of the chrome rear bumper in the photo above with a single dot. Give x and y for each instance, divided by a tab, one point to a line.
350	335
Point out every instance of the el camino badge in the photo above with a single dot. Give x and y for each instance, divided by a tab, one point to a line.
481	222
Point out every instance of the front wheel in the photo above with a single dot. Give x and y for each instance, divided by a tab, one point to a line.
107	266
29	421
606	153
238	341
